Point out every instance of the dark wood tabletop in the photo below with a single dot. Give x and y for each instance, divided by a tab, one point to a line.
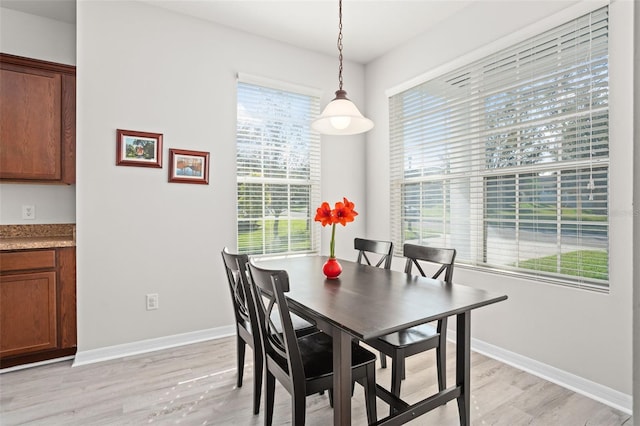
369	302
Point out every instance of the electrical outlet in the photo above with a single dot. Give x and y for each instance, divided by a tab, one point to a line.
28	212
152	302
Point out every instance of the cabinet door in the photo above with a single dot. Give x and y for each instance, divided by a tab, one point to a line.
37	120
28	320
30	123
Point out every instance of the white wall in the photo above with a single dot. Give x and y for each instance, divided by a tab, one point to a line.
144	68
582	333
31	36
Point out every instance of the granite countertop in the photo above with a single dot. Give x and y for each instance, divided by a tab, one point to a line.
24	237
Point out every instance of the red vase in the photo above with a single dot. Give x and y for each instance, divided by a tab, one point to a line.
332	268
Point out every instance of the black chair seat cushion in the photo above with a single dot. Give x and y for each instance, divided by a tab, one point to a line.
419	333
316	351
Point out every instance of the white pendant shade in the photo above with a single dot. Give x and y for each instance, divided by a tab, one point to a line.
341	117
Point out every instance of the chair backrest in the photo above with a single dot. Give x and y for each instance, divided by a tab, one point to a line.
280	343
236	269
383	250
442	256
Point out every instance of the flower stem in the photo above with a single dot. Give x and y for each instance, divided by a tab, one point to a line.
332	245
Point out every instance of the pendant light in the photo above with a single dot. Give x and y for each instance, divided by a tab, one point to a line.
341	116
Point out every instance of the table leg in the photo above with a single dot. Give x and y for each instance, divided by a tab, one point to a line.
463	366
341	378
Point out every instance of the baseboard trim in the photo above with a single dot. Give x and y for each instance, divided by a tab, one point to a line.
598	392
150	345
35	364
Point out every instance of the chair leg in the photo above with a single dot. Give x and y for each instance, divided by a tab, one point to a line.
270	390
370	394
383	360
298	408
441	355
258	365
241	349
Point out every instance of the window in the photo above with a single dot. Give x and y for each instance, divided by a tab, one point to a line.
278	167
507	158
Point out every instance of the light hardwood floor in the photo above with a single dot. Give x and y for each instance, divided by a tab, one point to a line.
195	385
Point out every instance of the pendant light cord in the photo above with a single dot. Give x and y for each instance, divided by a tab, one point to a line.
341	116
340	44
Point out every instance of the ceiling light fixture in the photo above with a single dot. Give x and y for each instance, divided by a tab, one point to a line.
341	116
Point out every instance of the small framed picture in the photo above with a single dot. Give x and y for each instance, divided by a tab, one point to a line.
140	149
188	166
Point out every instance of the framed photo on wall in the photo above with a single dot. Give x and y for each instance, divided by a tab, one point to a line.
139	149
188	166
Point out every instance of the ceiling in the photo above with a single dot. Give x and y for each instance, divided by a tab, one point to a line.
370	27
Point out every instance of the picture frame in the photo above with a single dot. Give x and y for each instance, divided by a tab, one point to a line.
139	149
188	166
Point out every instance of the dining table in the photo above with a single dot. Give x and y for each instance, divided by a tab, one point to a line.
366	302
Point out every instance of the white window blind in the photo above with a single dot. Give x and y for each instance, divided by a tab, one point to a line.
278	168
506	159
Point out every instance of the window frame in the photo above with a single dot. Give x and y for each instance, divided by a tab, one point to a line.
288	181
477	196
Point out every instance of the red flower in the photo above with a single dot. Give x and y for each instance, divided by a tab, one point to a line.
323	214
344	212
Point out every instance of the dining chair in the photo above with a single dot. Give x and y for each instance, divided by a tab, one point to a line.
421	338
303	365
382	251
247	328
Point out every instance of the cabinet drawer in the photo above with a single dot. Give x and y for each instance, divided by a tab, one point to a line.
23	260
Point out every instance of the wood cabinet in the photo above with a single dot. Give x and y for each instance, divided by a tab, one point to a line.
37	305
37	121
